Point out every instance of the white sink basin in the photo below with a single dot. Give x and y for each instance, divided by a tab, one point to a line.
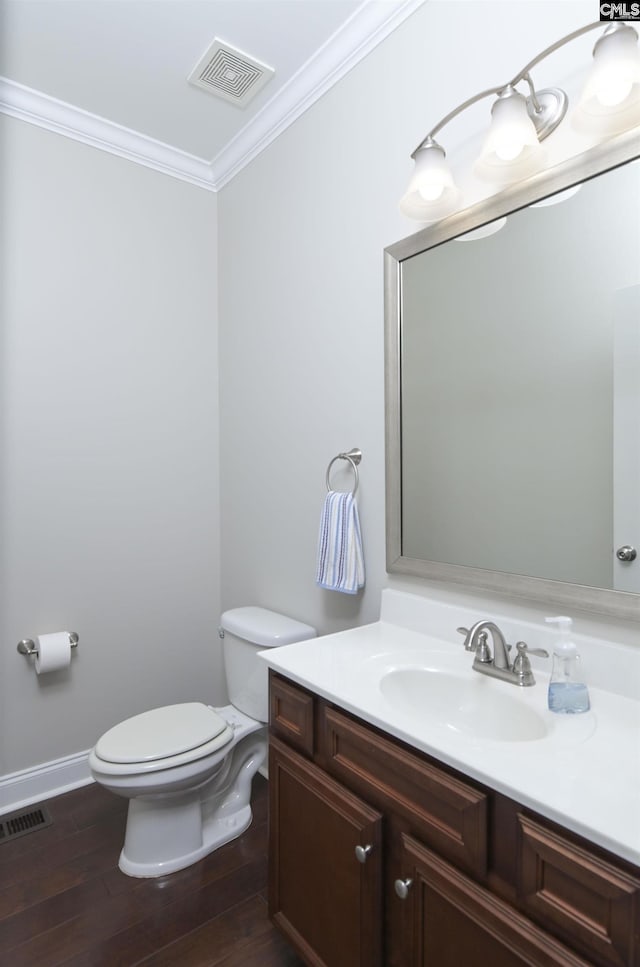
472	706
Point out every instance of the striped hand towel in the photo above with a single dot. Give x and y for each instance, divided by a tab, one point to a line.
340	557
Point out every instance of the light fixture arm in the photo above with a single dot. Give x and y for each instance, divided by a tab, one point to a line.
521	120
533	97
550	50
452	114
523	75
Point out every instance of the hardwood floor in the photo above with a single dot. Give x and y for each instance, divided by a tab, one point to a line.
63	899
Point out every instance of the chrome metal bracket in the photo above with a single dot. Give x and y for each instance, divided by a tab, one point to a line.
28	647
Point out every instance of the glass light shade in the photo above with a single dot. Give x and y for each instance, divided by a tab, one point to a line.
615	72
432	176
511	150
512	133
432	192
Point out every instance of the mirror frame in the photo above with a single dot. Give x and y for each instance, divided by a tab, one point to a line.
620	604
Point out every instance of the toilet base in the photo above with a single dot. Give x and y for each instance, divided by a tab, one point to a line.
168	833
214	835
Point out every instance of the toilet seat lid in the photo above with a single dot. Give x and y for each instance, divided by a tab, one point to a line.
163	732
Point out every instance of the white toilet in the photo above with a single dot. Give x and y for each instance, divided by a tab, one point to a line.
187	769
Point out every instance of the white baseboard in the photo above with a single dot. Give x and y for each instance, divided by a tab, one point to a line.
18	789
48	779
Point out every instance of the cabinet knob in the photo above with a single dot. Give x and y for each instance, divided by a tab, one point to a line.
362	852
402	888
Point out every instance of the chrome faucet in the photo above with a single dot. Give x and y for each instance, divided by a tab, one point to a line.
497	664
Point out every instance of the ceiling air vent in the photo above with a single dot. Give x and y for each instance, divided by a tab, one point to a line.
230	73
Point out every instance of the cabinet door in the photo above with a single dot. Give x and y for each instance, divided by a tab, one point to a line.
451	921
323	899
571	890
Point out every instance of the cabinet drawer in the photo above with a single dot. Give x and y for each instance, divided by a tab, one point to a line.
447	814
291	713
451	921
576	893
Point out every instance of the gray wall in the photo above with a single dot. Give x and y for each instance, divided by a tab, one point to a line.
110	500
302	231
109	490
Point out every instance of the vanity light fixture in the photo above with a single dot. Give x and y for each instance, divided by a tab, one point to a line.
432	180
519	122
615	70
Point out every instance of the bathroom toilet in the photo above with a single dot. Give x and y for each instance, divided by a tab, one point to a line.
187	769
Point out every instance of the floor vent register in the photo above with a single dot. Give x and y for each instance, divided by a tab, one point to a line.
22	822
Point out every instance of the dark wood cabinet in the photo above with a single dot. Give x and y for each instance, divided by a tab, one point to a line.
579	894
453	873
446	812
450	920
323	898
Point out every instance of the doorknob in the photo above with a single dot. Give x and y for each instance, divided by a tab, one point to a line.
626	553
402	888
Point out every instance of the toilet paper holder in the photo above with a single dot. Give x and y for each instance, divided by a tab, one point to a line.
28	647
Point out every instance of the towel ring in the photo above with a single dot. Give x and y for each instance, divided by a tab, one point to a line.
354	457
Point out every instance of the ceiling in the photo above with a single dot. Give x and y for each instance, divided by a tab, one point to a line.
114	72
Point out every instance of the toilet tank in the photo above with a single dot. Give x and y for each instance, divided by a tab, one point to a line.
246	632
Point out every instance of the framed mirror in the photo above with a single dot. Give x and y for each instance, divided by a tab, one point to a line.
513	390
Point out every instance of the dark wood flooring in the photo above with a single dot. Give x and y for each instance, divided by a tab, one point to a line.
63	899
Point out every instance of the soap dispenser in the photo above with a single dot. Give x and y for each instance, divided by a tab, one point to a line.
568	693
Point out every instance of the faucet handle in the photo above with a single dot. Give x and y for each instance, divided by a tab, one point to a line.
523	648
467	641
522	665
479	644
482	650
471	642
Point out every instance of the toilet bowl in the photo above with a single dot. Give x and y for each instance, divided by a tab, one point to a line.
187	769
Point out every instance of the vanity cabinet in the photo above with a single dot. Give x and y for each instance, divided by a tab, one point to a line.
381	856
323	899
451	920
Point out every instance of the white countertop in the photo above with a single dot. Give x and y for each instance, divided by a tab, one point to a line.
584	773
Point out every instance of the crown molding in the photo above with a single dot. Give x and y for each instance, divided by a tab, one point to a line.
371	23
47	112
368	26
